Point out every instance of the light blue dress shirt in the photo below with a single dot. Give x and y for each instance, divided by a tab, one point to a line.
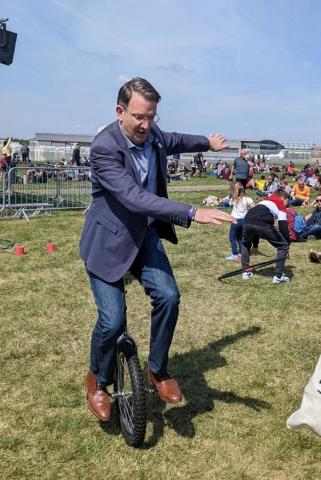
144	157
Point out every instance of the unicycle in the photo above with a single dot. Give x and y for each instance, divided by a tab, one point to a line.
129	391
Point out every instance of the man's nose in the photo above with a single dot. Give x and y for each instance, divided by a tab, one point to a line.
145	123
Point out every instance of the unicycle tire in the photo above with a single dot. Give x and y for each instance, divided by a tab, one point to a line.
130	398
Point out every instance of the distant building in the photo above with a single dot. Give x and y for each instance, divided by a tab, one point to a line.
262	146
63	139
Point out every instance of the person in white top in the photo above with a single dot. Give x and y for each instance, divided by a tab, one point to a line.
241	205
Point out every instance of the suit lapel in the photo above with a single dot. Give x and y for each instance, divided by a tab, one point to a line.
129	161
161	163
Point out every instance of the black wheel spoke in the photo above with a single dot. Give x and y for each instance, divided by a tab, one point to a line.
128	414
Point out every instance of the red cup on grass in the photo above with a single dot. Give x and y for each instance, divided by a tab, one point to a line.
51	247
20	250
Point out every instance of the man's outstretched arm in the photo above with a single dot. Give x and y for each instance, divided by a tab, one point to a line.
212	215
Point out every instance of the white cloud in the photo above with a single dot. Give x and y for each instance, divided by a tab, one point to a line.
123	78
176	68
306	64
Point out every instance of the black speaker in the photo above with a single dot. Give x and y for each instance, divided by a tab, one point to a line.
7	45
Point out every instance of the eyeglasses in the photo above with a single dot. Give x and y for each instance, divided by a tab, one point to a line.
318	200
143	118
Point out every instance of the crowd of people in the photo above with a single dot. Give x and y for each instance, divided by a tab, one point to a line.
273	217
40	173
247	172
178	171
8	159
277	190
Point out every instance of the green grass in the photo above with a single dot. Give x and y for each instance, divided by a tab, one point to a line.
204	180
242	354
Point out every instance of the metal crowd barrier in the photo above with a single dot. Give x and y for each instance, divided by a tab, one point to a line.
27	191
2	186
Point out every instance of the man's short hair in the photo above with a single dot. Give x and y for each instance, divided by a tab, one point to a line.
140	86
282	193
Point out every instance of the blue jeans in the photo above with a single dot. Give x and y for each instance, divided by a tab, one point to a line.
152	269
312	230
262	193
295	202
235	236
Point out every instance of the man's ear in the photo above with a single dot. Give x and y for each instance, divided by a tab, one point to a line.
120	112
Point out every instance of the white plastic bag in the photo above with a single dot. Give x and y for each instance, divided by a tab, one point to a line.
309	414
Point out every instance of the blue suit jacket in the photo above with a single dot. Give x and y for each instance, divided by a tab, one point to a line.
116	222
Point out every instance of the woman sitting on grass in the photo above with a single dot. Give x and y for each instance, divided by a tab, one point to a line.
241	205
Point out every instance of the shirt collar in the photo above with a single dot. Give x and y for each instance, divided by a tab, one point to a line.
131	145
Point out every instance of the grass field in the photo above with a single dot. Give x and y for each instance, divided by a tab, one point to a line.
242	354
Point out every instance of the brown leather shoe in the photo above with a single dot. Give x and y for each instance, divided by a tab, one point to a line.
167	388
98	398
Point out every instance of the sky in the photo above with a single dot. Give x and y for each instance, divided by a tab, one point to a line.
248	69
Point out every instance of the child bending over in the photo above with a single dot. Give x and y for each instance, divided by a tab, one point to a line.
262	221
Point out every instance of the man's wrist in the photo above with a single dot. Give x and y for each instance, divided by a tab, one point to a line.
191	213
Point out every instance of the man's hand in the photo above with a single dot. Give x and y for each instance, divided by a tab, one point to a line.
217	142
212	215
